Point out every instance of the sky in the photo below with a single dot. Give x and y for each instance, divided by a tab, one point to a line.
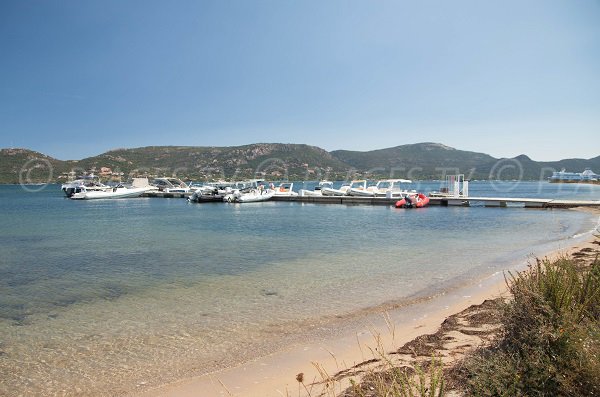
510	77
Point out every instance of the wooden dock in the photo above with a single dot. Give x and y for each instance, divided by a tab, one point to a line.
442	201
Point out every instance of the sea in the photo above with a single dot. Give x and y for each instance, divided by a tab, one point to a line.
110	297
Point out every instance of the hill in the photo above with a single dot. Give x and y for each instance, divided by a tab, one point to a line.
263	160
276	161
432	160
416	161
23	165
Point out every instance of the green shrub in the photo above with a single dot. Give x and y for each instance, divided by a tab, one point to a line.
551	340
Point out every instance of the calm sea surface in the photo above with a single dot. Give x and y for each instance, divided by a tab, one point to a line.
109	297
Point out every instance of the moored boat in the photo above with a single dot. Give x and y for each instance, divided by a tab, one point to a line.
392	188
111	193
254	196
171	185
211	192
89	182
317	191
285	189
417	200
359	188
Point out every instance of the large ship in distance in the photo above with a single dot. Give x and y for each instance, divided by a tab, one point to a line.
587	176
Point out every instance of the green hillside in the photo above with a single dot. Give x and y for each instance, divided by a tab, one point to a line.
24	166
264	160
417	161
275	161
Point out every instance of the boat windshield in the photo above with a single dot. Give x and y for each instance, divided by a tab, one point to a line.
384	185
358	184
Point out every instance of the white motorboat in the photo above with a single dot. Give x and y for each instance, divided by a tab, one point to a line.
255	195
285	189
171	185
392	188
358	187
243	187
211	192
112	193
89	182
317	191
330	191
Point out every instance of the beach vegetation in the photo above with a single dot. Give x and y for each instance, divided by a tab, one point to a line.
546	342
550	345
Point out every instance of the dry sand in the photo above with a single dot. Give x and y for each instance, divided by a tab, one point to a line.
460	323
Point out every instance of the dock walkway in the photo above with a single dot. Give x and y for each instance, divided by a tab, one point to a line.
443	201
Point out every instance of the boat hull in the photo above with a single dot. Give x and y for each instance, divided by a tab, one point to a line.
254	197
417	201
333	192
114	193
361	193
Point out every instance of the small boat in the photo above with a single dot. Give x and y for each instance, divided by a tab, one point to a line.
359	188
89	182
384	188
285	189
418	200
119	191
243	187
211	192
391	188
344	189
317	191
137	187
255	195
171	185
207	194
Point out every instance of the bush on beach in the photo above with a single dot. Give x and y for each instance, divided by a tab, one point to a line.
551	340
549	343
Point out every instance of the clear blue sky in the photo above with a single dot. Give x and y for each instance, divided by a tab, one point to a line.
78	78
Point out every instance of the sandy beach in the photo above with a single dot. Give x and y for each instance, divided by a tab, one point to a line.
356	343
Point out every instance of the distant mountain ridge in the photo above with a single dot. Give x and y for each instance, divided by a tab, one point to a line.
277	161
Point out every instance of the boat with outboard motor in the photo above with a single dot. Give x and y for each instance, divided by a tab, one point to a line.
255	196
414	200
242	187
119	191
89	182
138	187
212	192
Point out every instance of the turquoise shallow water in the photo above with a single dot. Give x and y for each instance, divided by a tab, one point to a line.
102	296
